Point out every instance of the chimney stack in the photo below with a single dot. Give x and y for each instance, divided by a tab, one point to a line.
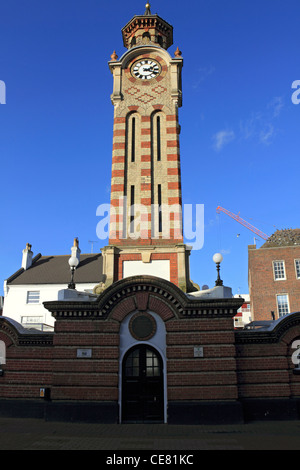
27	257
75	249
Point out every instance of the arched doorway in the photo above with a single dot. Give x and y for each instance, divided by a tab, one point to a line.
142	385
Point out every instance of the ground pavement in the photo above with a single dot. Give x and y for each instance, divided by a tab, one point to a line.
35	434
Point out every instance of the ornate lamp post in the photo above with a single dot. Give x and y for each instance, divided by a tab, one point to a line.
73	262
218	258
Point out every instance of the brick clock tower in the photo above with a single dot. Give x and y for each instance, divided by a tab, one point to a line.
146	235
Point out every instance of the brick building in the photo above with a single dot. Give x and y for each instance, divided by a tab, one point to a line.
149	346
43	278
274	275
145	351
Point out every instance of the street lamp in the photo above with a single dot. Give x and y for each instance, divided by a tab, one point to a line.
73	262
218	258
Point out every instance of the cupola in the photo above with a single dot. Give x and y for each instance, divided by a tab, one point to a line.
147	28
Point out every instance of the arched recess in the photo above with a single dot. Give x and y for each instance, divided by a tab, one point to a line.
146	37
158	136
143	293
159	176
132	164
142	368
133	131
143	397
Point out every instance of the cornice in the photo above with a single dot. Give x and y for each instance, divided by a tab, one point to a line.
271	335
142	49
145	22
21	336
181	305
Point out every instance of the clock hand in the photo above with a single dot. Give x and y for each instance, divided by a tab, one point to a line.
150	70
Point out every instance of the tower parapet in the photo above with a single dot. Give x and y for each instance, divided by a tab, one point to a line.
143	29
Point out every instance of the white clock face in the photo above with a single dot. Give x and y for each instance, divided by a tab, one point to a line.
146	69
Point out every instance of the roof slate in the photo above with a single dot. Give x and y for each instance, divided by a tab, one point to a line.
56	270
287	237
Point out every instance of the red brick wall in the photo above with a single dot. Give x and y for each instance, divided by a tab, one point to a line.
263	288
212	377
189	378
235	365
94	378
265	370
27	369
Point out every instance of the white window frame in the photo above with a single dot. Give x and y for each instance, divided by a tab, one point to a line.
276	270
288	304
36	298
297	268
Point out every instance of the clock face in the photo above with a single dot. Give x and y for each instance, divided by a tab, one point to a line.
146	69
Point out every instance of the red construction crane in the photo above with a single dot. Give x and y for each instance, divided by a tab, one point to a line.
243	222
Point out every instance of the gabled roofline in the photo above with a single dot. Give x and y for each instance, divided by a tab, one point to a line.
21	270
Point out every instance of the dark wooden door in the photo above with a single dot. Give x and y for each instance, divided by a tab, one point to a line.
142	385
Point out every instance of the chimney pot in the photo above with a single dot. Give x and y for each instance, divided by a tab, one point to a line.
75	250
27	257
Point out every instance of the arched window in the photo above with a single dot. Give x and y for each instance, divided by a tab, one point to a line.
159	175
159	200
133	41
158	137
133	139
131	171
157	128
146	36
160	40
132	128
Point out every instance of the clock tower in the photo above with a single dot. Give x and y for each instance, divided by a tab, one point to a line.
146	233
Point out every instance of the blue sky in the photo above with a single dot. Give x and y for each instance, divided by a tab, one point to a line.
240	136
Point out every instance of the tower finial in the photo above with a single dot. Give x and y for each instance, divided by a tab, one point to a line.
148	11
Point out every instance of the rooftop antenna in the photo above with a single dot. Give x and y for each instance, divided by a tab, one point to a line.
92	245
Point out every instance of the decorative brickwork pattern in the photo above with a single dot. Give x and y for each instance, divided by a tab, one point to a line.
236	365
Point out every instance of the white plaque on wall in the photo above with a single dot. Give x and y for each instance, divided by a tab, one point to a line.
84	352
159	268
198	351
